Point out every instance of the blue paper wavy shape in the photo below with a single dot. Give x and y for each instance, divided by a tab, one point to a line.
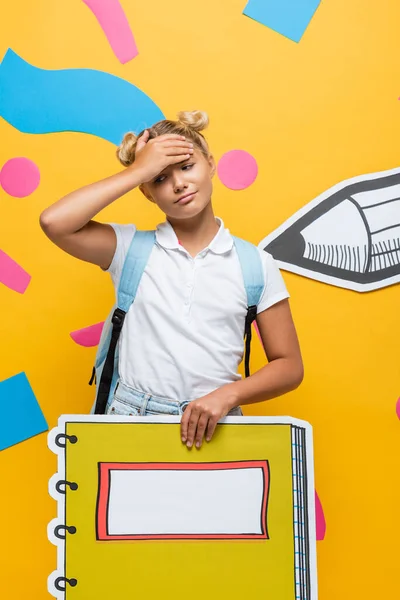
38	101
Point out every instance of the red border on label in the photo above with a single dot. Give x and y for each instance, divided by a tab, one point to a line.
104	493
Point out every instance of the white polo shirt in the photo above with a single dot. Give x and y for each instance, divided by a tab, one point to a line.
183	336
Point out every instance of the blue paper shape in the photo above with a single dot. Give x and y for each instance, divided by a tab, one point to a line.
21	416
35	100
288	17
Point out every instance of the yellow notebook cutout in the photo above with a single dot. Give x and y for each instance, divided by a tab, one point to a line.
141	516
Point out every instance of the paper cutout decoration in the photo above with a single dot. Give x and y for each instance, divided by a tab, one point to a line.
89	336
81	100
237	169
21	416
288	17
12	274
133	494
320	519
349	236
112	19
19	177
205	489
398	408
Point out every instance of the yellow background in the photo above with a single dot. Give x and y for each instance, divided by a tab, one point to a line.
226	569
312	114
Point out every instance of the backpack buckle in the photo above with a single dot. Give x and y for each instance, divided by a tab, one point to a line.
118	318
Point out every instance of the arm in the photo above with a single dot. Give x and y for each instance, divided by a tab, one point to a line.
69	222
283	373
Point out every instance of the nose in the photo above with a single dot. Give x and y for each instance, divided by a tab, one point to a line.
179	181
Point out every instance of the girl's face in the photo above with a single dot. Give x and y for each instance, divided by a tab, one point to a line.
182	191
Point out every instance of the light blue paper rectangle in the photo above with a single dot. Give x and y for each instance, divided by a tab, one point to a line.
21	416
288	17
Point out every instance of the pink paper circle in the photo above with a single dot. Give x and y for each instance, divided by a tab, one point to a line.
237	169
19	177
398	408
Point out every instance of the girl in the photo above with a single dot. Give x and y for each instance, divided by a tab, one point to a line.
182	340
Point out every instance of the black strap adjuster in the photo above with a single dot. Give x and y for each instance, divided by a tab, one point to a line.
118	318
251	314
250	317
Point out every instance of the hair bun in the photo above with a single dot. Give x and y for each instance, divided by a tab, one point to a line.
195	119
127	149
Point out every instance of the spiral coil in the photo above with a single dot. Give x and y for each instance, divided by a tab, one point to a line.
61	531
62	588
71	529
71	438
71	484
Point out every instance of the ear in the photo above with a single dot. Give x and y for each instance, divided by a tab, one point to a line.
146	192
213	166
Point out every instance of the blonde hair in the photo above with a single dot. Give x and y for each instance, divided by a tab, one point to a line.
189	124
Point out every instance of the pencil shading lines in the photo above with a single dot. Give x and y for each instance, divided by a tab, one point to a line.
112	19
349	236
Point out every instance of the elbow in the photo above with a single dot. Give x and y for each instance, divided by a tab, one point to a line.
48	223
298	374
45	221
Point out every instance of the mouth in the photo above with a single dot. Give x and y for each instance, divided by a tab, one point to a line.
186	199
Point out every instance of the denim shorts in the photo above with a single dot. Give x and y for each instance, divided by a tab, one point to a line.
130	402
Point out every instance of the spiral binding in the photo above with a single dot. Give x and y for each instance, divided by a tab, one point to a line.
71	438
61	531
67	528
72	582
71	484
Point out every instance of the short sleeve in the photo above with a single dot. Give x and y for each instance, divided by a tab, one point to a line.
275	288
124	235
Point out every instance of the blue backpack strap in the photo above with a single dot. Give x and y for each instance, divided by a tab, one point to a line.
253	278
132	271
134	266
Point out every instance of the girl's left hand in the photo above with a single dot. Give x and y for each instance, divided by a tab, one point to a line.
201	416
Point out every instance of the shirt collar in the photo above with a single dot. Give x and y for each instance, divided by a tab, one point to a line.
220	244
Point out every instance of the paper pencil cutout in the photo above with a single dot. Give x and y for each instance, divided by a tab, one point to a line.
349	236
130	495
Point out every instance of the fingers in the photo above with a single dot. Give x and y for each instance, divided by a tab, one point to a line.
142	141
184	424
173	148
178	151
197	423
173	160
170	136
200	429
212	424
191	427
